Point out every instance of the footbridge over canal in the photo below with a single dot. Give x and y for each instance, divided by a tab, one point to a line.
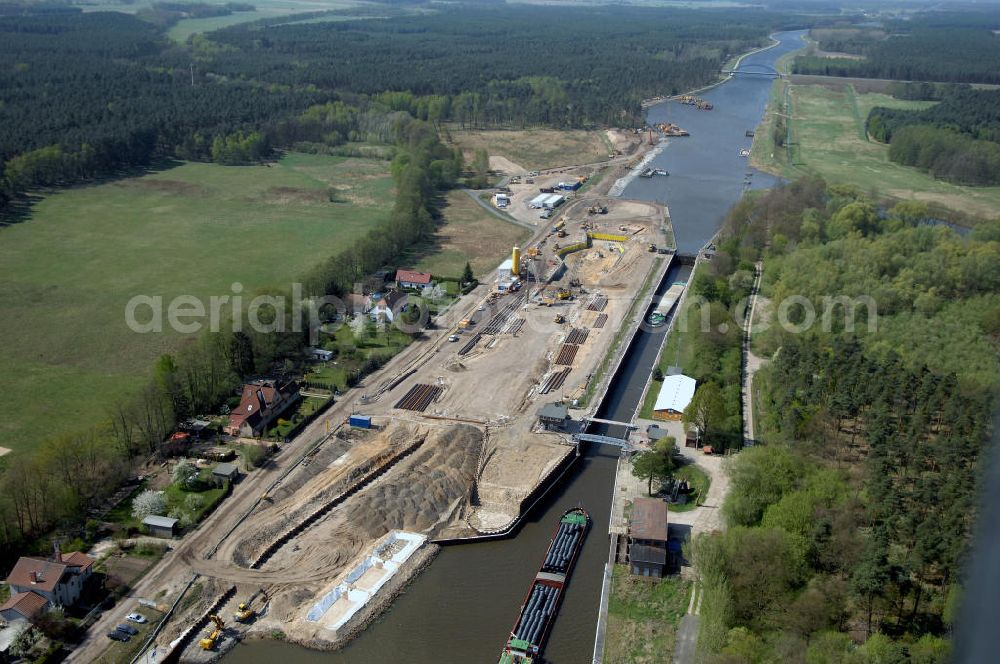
754	69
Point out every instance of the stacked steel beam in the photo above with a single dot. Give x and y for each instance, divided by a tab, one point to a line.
598	303
419	397
567	354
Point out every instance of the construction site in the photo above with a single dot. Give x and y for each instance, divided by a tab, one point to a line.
455	449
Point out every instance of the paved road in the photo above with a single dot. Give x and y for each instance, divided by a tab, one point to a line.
687	638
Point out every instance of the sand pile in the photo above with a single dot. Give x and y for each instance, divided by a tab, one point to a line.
295	500
438	474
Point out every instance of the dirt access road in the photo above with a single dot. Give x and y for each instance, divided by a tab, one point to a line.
166	579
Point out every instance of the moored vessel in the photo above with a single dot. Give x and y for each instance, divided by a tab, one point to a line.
541	604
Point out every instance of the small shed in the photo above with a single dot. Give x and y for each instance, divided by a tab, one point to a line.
553	416
647	560
225	471
656	433
320	354
160	526
648	524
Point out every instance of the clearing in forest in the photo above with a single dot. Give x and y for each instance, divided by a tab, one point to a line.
533	149
829	139
70	268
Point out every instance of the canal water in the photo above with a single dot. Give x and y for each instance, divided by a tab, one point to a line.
462	607
707	173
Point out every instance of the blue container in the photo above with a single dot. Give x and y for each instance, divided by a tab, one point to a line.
360	421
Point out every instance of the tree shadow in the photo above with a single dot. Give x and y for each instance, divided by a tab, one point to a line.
21	207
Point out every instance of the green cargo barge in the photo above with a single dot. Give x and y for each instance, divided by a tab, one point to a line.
541	605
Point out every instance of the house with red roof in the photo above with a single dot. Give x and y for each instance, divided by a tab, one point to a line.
412	279
261	403
37	584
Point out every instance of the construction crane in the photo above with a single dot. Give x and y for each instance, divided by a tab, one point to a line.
208	643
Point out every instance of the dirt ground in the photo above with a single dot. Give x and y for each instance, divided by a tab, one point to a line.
533	149
421	493
497	382
475	439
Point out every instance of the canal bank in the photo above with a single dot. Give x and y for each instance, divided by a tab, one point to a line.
707	173
462	607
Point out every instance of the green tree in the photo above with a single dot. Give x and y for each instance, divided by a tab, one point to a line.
706	410
871	577
651	466
467	276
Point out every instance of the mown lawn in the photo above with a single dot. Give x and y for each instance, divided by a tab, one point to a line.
643	615
307	406
70	268
353	352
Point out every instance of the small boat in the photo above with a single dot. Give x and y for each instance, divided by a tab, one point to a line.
744	152
646	173
541	605
660	171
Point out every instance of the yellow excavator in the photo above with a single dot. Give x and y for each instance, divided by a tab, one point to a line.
246	612
208	643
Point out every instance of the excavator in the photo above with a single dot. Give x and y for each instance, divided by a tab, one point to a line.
208	643
246	612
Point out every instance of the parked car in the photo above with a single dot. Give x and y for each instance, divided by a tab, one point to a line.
453	337
136	618
119	636
127	629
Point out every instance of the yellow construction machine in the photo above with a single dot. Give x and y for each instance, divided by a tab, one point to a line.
564	294
208	643
245	611
560	319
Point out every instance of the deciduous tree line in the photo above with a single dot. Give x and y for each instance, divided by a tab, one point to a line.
956	140
55	488
849	528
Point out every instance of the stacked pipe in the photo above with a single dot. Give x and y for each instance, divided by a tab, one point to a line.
562	547
536	613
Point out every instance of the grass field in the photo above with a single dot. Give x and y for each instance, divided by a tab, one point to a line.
643	615
471	234
184	28
71	267
828	139
534	148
